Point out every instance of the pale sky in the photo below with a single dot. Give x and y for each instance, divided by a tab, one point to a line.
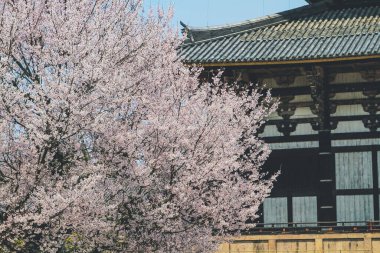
201	13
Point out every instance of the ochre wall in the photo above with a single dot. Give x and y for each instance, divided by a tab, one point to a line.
306	243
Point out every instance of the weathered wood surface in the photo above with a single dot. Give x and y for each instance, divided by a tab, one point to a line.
305	243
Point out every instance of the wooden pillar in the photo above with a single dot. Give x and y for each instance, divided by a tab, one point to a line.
320	93
367	243
318	245
376	192
224	248
272	248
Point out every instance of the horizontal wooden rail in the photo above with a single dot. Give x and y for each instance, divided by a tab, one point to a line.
315	227
331	242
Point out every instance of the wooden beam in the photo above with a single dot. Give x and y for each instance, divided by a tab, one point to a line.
266	63
334	88
314	137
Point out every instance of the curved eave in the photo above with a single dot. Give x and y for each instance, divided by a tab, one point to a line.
306	61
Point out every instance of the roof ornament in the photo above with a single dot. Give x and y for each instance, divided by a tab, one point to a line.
186	30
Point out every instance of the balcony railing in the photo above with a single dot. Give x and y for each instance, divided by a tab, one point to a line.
316	227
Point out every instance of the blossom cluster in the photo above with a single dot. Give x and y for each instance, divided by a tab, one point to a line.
109	142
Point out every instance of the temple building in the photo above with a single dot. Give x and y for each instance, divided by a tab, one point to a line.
322	61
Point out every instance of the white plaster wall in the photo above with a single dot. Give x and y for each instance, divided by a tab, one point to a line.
349	110
348	78
294	145
350	127
270	131
360	142
302	98
348	95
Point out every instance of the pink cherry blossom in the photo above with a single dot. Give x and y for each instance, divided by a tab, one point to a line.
109	142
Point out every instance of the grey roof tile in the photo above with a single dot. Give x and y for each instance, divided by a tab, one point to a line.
329	33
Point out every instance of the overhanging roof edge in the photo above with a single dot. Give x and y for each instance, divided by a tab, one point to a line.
287	62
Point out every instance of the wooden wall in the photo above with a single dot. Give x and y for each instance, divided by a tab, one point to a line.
355	208
357	177
305	210
276	211
307	243
357	159
353	170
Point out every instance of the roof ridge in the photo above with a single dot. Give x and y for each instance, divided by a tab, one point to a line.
338	32
248	21
201	35
267	25
229	34
205	33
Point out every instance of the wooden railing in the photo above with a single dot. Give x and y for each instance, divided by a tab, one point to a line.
316	227
315	238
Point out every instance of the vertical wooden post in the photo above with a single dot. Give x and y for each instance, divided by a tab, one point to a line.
367	243
320	92
272	246
224	248
318	245
375	171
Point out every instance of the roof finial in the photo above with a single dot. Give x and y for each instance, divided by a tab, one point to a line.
186	30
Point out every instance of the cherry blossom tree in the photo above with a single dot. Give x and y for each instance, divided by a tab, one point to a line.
109	143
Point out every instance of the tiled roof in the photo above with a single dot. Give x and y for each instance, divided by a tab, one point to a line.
306	33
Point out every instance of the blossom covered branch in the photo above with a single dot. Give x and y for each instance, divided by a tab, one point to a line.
108	142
